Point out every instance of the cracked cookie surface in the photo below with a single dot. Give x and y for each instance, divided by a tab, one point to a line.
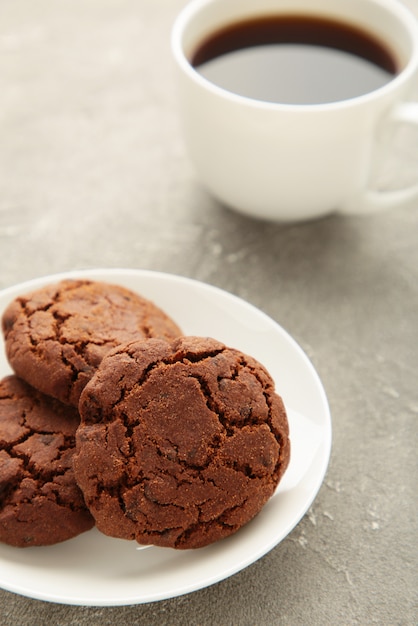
40	502
56	336
180	443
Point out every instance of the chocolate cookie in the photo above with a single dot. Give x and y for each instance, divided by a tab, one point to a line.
40	503
56	336
180	443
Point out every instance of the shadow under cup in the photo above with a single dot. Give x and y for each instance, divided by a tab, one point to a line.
281	100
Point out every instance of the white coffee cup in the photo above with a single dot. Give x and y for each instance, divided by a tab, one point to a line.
294	161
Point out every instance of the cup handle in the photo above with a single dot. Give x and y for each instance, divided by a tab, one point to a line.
373	201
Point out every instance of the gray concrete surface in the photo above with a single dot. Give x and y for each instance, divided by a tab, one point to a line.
93	173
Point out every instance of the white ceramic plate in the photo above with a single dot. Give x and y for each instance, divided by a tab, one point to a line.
96	570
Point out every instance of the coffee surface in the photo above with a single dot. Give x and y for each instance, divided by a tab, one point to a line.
295	60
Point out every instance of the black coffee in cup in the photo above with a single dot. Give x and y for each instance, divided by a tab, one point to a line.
295	60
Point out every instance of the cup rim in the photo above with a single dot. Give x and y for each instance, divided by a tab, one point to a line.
404	14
